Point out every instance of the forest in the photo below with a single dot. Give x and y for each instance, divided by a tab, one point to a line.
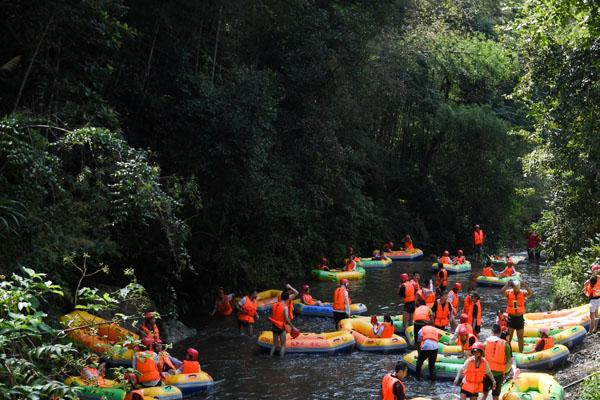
235	143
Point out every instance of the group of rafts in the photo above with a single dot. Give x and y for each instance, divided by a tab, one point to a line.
115	344
566	327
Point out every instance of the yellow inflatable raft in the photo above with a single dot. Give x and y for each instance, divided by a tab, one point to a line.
361	328
445	345
402	255
190	383
111	390
336	275
559	318
100	336
541	360
569	337
327	342
532	386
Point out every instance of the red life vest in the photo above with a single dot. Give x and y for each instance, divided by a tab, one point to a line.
409	292
387	387
422	313
145	365
592	292
443	281
515	305
473	380
307	299
495	354
190	367
442	314
470	320
478	237
408	246
224	308
429	333
350	265
429	298
508	271
459	260
466	345
152	332
248	310
338	298
548	343
445	260
488	271
277	314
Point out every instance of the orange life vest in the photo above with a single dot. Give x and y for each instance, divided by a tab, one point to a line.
454	300
164	360
478	237
416	284
470	320
323	267
429	298
444	280
592	292
502	322
488	271
409	292
277	314
97	379
429	333
422	313
350	265
145	365
387	387
445	260
307	299
466	345
190	367
515	305
224	308
154	332
473	380
248	310
468	327
408	246
459	260
467	305
338	298
388	331
495	354
548	343
508	271
442	314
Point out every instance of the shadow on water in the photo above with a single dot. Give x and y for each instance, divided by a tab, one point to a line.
245	373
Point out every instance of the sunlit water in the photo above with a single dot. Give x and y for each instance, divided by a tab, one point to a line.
242	372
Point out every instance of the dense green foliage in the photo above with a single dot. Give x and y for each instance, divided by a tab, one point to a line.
590	388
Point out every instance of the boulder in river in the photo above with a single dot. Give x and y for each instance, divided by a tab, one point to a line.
174	331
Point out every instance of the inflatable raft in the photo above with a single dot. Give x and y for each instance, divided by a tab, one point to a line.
495	280
446	366
445	345
190	383
560	318
335	275
569	337
401	255
361	327
327	342
374	264
100	336
499	261
112	391
532	386
540	360
326	310
454	269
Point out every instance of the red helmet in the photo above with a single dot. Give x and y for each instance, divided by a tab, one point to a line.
344	281
476	226
458	286
446	253
510	262
373	319
295	333
323	260
404	277
147	341
463	318
478	346
391	244
193	353
460	252
305	287
463	331
595	267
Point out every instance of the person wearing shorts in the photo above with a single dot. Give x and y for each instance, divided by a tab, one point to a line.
515	308
498	354
591	288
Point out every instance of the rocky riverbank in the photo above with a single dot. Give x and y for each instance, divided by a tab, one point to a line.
583	361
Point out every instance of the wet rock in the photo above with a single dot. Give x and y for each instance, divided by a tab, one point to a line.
174	331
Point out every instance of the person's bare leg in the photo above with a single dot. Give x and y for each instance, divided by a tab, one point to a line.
510	334
520	339
282	348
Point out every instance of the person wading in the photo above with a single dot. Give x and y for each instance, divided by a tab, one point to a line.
515	308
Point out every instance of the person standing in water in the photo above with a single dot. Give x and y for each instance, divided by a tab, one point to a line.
280	318
478	240
392	384
515	308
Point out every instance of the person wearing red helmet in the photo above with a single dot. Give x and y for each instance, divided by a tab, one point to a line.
445	258
498	354
145	362
323	266
460	258
190	365
591	289
407	291
341	302
478	240
148	326
473	372
463	324
306	298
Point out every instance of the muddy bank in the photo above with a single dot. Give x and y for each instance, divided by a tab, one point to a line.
584	360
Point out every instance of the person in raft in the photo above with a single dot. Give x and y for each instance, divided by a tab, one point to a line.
441	278
323	265
463	318
533	244
280	318
509	270
378	255
487	269
515	308
591	289
473	372
341	302
407	243
478	240
427	349
388	247
498	354
247	312
145	363
167	364
383	330
94	371
223	305
407	291
148	326
190	365
460	258
544	342
350	264
392	385
445	258
465	340
306	298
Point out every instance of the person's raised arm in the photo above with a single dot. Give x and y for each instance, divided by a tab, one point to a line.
527	288
293	295
507	286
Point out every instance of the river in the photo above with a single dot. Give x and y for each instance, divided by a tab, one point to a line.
242	372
